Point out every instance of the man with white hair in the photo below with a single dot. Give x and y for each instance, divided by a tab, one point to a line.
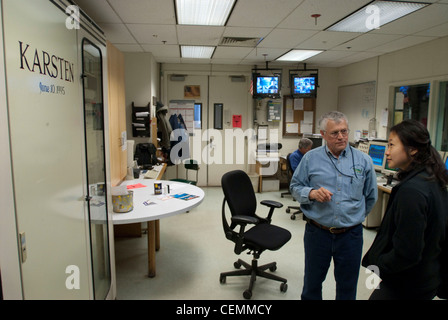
336	187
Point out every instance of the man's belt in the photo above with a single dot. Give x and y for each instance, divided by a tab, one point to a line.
333	230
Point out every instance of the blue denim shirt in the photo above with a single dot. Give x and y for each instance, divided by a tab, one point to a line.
351	179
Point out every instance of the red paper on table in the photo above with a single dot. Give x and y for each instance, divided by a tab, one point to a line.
237	121
135	186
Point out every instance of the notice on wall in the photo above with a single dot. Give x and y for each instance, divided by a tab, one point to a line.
236	121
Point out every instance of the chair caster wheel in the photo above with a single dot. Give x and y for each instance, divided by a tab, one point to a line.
222	279
237	265
288	210
283	287
247	294
273	268
293	217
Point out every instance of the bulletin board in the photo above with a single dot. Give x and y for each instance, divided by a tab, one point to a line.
299	115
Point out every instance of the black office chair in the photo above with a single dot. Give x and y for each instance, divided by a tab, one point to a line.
296	209
189	164
240	197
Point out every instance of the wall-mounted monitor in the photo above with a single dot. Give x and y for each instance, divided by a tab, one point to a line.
303	86
267	86
377	151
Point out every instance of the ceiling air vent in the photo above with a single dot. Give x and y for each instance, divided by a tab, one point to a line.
240	42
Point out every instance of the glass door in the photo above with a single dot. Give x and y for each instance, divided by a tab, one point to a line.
442	119
96	169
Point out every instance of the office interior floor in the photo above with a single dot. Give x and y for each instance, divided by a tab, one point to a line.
194	251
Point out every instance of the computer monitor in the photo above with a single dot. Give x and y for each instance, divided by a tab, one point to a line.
387	171
377	151
316	138
446	161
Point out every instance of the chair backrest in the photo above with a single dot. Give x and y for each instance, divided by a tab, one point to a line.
239	193
191	164
145	154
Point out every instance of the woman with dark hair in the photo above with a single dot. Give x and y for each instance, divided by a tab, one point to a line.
410	249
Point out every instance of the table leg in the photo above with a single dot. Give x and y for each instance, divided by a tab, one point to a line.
151	249
157	235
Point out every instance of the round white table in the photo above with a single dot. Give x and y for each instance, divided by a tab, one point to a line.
156	207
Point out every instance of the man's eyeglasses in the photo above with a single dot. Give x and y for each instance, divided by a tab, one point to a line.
335	134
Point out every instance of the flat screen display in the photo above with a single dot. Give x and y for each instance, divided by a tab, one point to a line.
376	152
267	85
304	85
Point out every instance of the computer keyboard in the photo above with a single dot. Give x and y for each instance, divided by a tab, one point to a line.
153	173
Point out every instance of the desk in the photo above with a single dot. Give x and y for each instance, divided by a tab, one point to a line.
374	218
265	166
161	209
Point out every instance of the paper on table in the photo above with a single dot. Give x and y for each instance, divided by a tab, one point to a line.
135	186
119	191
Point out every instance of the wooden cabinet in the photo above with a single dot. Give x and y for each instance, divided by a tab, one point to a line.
117	114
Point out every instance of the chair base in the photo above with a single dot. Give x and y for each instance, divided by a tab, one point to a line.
254	270
296	212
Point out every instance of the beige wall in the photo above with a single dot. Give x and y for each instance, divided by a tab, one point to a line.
424	63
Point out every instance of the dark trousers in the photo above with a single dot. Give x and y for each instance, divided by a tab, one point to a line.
345	249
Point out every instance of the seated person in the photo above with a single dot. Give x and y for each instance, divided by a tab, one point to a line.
305	145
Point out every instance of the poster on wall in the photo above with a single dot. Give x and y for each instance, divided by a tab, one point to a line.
192	92
236	121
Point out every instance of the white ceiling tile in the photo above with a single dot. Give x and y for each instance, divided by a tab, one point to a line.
438	31
153	34
367	41
199	35
99	10
286	38
162	50
246	32
401	43
256	13
145	11
325	40
231	52
265	54
117	33
129	47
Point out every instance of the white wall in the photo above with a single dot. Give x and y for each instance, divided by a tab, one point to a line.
141	83
423	63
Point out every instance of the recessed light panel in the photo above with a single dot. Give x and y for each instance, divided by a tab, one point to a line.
298	55
376	14
203	12
197	52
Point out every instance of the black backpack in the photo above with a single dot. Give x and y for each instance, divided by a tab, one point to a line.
145	154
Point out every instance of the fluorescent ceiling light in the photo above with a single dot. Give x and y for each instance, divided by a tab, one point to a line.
298	55
376	14
203	12
197	52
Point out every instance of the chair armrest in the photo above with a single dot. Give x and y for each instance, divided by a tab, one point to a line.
244	220
271	203
272	206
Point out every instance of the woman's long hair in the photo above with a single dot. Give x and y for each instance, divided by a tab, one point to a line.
414	136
